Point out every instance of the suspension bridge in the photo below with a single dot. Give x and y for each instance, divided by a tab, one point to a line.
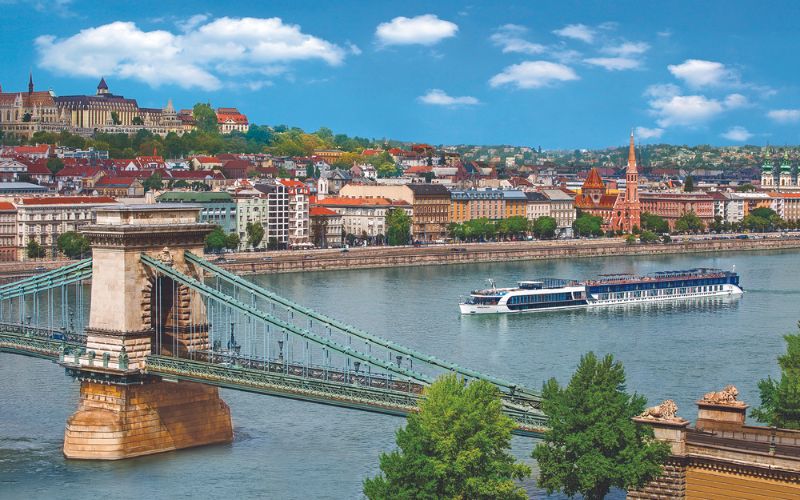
151	330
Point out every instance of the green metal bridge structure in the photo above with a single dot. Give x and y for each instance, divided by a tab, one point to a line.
252	340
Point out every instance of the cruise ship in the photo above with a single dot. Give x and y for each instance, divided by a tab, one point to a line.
608	289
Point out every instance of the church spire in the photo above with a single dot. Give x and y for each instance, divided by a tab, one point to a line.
632	156
30	82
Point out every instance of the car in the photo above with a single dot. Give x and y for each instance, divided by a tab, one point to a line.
266	258
344	250
40	269
458	250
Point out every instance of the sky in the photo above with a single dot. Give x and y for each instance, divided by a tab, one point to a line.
558	74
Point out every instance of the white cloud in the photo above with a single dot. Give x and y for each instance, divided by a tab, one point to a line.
785	115
533	74
196	20
577	31
422	30
734	101
437	97
737	134
626	49
614	63
200	58
354	49
510	38
662	90
685	110
649	133
698	73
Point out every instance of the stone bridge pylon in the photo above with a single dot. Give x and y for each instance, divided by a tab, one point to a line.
122	412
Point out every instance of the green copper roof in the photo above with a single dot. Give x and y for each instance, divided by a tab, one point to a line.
195	197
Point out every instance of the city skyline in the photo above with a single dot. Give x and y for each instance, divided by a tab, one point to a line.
559	77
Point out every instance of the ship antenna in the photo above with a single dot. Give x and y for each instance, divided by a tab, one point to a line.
733	268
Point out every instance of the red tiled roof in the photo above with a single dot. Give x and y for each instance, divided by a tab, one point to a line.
320	212
115	181
26	150
358	202
4	205
78	171
38	167
593	181
68	200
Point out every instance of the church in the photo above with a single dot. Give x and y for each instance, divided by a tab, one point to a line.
621	212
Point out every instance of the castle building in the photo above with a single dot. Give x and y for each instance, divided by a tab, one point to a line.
99	110
230	119
24	113
627	210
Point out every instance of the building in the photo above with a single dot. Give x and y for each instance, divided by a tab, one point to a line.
326	227
298	194
8	231
562	209
430	205
595	199
729	207
120	187
672	206
230	120
473	204
516	203
364	218
277	226
45	219
10	189
100	110
786	205
217	208
329	156
627	210
538	205
24	113
252	207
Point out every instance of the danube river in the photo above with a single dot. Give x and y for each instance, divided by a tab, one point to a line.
287	449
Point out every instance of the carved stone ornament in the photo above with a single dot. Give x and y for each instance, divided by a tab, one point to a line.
166	257
665	411
725	396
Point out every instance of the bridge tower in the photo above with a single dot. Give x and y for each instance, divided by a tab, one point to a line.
123	412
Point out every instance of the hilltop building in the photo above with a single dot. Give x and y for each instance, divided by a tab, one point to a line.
24	113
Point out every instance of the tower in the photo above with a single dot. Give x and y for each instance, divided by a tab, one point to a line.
767	177
786	171
30	83
627	209
102	87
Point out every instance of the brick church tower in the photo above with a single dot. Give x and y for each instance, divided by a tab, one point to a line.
627	209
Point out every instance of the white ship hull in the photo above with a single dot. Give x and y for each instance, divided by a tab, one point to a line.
623	298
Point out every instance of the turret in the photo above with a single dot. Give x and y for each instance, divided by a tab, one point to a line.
30	83
767	177
102	87
786	170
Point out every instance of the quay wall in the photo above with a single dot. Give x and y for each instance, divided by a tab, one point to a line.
367	258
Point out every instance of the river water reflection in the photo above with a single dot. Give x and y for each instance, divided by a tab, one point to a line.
287	449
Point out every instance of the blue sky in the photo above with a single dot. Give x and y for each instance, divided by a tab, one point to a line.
556	74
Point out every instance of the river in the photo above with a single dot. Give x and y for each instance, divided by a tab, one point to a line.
286	449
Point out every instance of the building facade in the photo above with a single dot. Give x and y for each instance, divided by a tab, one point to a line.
326	227
8	231
672	206
363	217
217	208
627	211
298	194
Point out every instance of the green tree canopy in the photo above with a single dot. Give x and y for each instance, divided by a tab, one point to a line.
255	233
72	244
232	241
153	182
688	184
216	240
545	227
648	237
689	222
780	399
205	118
54	165
398	227
588	225
593	444
455	447
34	250
654	223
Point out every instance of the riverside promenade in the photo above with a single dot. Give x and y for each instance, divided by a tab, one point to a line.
462	253
465	253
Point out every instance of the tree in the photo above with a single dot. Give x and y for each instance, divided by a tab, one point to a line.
688	184
593	444
54	165
689	222
115	118
72	244
648	237
630	239
545	227
780	399
588	225
34	250
153	182
205	118
232	241
255	233
215	240
137	120
455	447
398	227
654	223
272	243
